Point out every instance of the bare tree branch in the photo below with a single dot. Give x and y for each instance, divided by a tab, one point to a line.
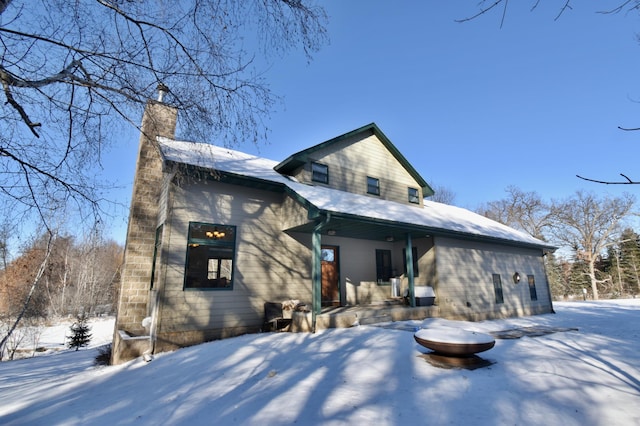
71	72
621	7
627	182
484	10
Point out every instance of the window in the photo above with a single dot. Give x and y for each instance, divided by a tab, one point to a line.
414	254
532	287
373	186
497	286
383	266
414	196
328	255
210	255
155	267
319	173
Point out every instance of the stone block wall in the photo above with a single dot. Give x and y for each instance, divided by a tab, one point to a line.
158	120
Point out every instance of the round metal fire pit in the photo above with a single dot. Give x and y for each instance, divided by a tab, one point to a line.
453	341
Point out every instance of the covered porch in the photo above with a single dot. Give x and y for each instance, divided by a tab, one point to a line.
358	298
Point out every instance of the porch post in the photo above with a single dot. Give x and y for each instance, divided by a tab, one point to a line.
409	261
316	273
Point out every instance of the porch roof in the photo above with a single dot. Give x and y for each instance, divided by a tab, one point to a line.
351	214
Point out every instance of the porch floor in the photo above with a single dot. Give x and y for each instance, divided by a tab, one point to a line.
349	316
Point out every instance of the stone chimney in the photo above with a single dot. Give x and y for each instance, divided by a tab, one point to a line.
159	119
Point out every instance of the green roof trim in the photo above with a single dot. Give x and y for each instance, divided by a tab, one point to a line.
371	225
300	158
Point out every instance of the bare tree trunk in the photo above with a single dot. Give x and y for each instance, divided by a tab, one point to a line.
592	277
34	284
65	274
637	276
52	303
619	274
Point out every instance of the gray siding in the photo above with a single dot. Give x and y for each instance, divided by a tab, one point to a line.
293	214
352	160
358	270
269	265
358	267
465	280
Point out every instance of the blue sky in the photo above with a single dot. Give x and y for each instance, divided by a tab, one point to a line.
474	107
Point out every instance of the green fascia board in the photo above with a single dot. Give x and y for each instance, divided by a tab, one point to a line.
315	213
300	158
413	228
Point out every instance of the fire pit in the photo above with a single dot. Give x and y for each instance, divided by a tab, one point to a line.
453	341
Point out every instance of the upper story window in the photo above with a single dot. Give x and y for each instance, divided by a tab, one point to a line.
414	196
319	173
373	186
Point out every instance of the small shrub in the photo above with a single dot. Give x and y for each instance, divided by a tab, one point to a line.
104	355
80	335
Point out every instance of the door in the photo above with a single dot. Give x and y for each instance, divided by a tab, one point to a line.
330	276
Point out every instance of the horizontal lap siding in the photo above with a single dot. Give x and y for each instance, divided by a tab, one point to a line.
358	267
426	262
269	264
293	214
352	160
465	279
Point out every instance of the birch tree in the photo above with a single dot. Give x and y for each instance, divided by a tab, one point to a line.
72	72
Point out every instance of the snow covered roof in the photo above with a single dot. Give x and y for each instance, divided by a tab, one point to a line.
435	216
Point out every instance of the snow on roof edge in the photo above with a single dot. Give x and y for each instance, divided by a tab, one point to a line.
433	215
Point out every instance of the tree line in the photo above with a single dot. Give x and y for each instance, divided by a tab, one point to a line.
56	276
599	252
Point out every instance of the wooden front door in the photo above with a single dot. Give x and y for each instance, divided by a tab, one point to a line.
330	276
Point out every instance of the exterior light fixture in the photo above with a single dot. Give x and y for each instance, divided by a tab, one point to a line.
516	278
389	238
215	234
331	232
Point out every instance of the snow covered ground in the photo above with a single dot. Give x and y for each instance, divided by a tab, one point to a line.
362	375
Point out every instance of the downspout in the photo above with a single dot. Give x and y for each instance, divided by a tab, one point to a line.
409	262
316	270
546	278
159	291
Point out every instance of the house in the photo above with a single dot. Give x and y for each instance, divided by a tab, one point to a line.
215	233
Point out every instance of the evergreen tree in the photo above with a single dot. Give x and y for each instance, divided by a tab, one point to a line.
80	335
579	278
557	284
630	261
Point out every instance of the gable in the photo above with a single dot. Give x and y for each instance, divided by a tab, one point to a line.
352	157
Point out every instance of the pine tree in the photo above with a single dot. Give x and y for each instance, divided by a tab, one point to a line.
630	261
80	335
579	277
